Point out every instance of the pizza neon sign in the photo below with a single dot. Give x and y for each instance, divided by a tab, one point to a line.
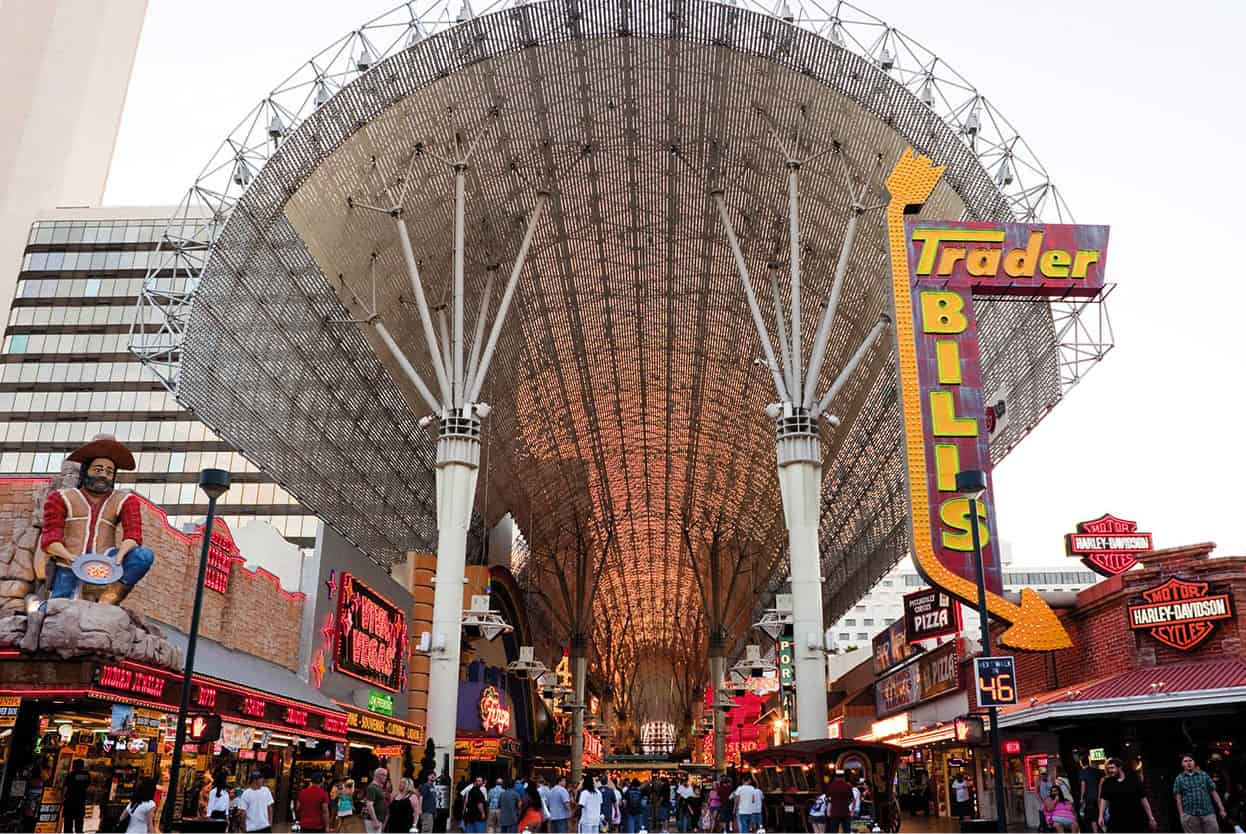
494	716
1179	613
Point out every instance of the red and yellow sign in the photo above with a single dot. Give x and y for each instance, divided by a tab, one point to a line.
371	638
937	269
1180	613
495	717
1108	545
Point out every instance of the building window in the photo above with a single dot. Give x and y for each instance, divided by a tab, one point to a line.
850	622
861	635
843	635
868	621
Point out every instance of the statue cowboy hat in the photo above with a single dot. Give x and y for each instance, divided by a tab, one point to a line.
104	447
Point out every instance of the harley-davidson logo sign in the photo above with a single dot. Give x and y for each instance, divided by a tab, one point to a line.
1180	613
1108	545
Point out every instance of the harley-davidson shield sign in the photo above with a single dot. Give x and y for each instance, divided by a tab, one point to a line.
1108	545
1180	613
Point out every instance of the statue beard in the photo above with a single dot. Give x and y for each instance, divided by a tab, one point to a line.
98	486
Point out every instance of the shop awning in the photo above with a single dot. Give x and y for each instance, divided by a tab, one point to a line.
1157	688
212	660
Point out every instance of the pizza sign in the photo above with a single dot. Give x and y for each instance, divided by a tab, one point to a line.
1108	545
1180	613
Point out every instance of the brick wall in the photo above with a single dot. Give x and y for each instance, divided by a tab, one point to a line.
1103	643
423	569
256	616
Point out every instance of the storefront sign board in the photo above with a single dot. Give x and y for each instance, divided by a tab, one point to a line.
892	647
930	613
9	706
1108	545
937	270
371	636
390	729
935	673
382	702
1180	613
495	717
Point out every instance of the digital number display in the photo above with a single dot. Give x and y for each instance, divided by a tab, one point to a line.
996	681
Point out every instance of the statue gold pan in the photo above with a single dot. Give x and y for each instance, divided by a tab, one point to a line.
92	541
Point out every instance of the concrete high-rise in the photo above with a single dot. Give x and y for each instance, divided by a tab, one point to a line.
66	67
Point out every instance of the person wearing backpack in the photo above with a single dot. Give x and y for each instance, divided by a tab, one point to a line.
817	812
634	802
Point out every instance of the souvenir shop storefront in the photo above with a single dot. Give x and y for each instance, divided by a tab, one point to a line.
375	739
119	717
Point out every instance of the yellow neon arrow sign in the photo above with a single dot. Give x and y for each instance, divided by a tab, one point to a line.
1032	624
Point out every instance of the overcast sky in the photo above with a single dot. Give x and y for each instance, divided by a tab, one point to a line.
1135	111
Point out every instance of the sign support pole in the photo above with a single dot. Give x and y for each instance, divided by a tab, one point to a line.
984	619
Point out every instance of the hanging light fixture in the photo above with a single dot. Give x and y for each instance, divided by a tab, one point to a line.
242	173
417	34
926	94
1003	176
886	59
365	59
276	127
973	122
322	93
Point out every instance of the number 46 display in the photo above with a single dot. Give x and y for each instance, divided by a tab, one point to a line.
997	681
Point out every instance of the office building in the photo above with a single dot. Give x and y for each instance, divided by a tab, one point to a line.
66	374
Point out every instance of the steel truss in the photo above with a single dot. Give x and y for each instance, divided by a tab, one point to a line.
625	390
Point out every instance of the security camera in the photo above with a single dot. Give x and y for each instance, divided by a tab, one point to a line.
426	421
832	419
774	410
483	410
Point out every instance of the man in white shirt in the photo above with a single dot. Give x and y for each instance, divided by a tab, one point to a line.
257	804
684	794
748	806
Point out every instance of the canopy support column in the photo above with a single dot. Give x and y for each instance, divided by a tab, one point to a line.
579	675
720	702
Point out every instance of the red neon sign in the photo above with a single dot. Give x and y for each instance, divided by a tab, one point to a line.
371	642
1012	746
1108	545
206	697
493	715
335	724
130	680
254	707
296	717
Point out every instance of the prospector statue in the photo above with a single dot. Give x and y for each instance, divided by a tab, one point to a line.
94	532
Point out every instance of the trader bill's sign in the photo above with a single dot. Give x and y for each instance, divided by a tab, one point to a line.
1180	613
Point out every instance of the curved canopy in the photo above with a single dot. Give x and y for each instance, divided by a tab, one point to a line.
628	405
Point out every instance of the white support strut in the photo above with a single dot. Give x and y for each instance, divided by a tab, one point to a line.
793	211
754	310
851	366
781	331
823	335
481	315
478	376
426	319
460	233
407	367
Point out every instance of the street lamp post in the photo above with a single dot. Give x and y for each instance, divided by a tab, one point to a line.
214	483
972	484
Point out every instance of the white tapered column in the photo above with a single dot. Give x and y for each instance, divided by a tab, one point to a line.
718	672
458	464
800	479
579	675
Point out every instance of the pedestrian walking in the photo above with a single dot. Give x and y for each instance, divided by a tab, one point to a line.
428	802
839	795
495	792
218	799
559	802
962	798
1088	781
376	802
1199	806
588	801
257	804
139	815
748	809
402	809
1123	805
634	802
508	807
683	810
817	812
533	808
74	795
475	807
311	805
609	806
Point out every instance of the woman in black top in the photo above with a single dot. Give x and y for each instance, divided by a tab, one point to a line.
401	816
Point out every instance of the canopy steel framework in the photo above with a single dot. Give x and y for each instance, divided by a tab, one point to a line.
626	385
